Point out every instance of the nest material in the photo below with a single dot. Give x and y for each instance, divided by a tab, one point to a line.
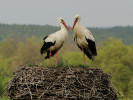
69	83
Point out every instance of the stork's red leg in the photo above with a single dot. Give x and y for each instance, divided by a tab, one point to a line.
83	56
56	56
50	57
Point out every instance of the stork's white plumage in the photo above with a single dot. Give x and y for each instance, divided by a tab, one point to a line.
54	41
84	39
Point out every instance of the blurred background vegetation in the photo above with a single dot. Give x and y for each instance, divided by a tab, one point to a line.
20	45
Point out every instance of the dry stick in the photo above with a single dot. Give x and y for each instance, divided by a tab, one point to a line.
75	76
70	70
36	87
62	86
42	94
45	91
67	94
116	89
29	90
90	92
78	80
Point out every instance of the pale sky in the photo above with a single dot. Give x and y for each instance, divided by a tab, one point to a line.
94	13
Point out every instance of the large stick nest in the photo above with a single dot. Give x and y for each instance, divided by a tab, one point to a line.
69	83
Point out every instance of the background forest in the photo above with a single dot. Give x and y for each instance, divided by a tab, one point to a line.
20	45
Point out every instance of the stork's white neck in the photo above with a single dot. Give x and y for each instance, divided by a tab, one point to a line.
76	26
62	27
64	34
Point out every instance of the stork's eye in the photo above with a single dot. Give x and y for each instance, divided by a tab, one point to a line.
62	20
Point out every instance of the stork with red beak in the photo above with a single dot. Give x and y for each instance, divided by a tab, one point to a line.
84	39
54	41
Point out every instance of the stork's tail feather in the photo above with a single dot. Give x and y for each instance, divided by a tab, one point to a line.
91	57
92	46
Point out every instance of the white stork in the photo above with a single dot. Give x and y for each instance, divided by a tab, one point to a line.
54	41
84	39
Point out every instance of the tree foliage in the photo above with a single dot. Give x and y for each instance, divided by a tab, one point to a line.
21	32
114	59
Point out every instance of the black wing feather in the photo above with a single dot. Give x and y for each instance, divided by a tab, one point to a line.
45	37
52	52
46	45
92	46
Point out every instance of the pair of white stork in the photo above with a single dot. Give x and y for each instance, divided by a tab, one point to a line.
82	37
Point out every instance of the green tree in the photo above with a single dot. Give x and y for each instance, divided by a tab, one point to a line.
113	58
5	73
28	52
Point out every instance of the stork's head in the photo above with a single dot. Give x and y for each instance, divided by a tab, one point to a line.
76	19
61	21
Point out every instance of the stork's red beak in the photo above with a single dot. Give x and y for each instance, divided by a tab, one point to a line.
74	24
65	25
